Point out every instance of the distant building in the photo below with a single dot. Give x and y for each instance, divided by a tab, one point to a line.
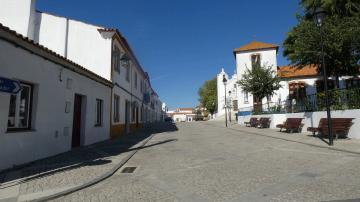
182	115
231	94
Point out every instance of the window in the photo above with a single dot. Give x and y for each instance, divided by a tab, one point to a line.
135	80
99	112
116	108
246	97
116	59
127	67
20	109
255	60
133	113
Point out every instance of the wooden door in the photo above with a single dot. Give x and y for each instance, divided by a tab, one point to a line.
76	132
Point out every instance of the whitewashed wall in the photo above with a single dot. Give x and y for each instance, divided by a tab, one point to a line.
243	61
231	81
311	119
52	127
51	32
16	14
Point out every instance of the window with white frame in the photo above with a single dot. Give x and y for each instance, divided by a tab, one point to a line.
246	97
135	80
19	117
255	60
116	59
116	108
99	112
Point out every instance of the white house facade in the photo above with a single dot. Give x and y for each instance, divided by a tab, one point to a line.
61	104
231	93
112	79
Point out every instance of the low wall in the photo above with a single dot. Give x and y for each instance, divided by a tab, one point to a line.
311	119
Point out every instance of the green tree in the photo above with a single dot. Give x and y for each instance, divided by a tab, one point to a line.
341	38
208	95
260	81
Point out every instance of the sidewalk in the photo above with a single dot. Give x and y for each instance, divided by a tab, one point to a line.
345	145
74	169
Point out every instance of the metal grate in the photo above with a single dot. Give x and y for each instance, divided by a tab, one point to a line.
128	170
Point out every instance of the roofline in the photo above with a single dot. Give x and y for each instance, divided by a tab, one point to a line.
121	39
17	39
126	45
242	51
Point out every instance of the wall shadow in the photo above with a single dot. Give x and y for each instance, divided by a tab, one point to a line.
92	155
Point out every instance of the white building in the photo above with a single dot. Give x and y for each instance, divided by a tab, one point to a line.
182	115
78	66
231	95
61	104
297	84
101	50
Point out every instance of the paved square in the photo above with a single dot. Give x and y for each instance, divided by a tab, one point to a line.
204	161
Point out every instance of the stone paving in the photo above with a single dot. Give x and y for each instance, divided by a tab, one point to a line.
204	161
71	168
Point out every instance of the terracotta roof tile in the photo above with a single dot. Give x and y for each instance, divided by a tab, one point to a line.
292	71
255	45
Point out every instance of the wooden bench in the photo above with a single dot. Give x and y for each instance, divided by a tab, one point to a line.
340	126
252	123
291	125
264	122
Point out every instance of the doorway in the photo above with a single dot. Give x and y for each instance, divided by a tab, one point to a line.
76	130
127	116
137	116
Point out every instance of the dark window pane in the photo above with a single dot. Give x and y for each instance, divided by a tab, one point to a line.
12	109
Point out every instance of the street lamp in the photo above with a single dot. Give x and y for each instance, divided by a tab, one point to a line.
225	81
319	17
229	105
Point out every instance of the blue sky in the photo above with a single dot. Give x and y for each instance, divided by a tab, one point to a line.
182	43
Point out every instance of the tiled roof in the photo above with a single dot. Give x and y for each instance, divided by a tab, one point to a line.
30	45
292	71
127	46
255	45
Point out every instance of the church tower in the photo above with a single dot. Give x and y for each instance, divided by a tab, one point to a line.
248	56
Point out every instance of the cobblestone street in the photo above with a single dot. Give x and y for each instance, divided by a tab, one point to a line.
204	161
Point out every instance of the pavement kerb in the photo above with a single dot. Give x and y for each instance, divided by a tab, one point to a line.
52	195
296	141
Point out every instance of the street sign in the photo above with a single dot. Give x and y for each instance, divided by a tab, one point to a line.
9	85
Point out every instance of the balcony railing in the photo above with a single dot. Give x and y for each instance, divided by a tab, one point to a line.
340	99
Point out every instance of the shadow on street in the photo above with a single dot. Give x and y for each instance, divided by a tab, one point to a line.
92	155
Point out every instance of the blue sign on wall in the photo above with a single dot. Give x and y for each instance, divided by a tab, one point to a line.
9	85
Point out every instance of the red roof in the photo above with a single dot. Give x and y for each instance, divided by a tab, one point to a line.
255	45
294	71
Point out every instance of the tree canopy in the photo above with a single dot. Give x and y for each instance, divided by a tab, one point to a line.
341	37
208	95
261	81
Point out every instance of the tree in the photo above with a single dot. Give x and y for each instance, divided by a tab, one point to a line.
342	8
260	81
208	95
341	38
